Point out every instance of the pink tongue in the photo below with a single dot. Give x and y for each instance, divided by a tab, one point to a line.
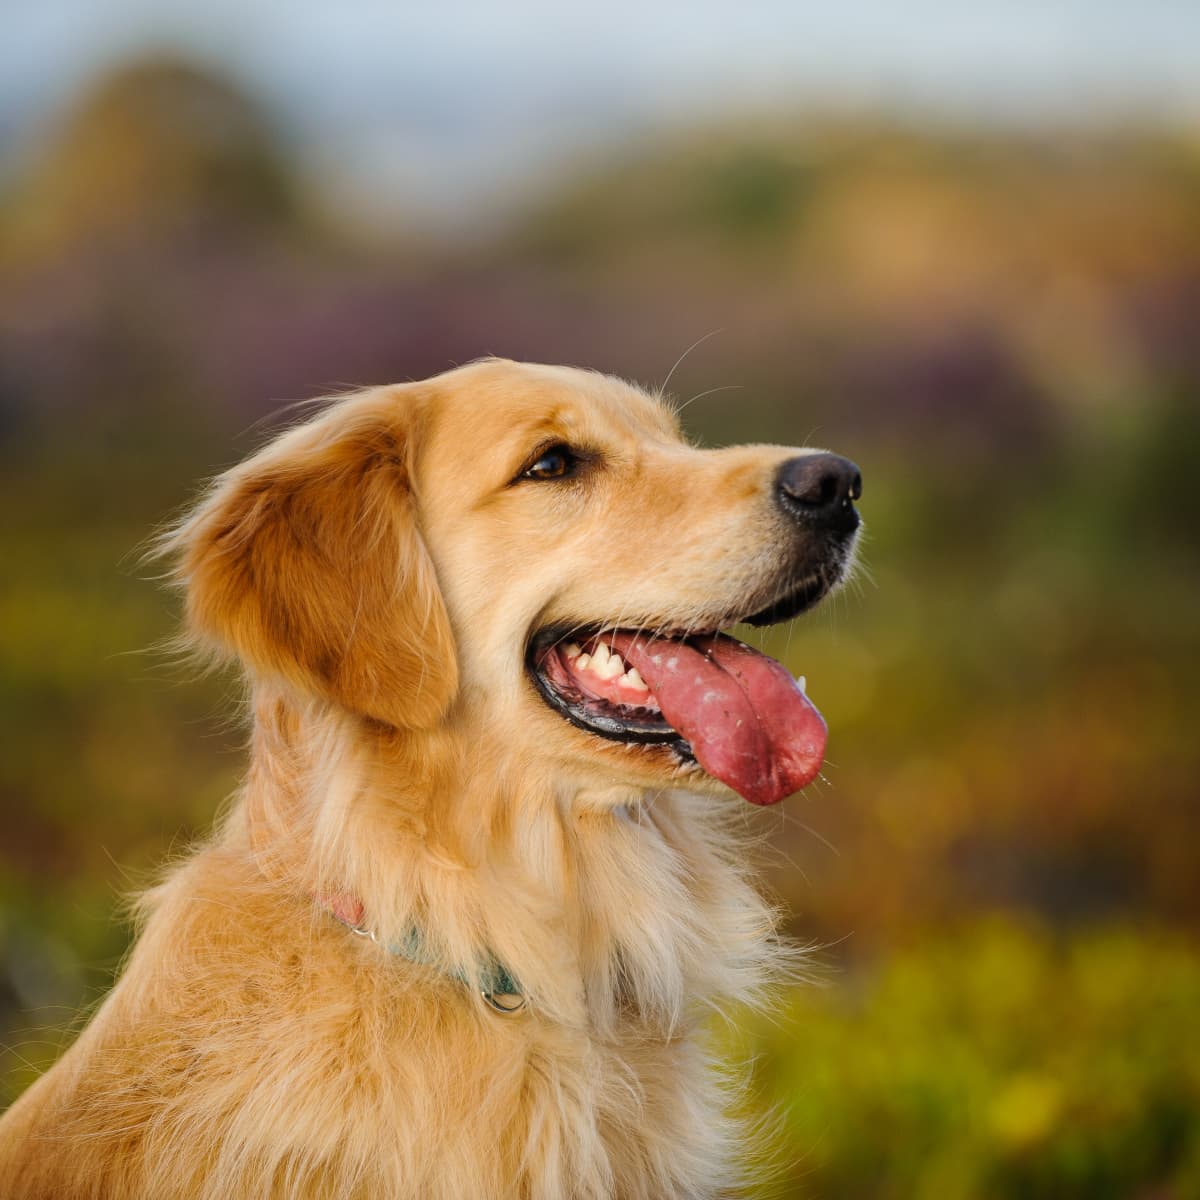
745	717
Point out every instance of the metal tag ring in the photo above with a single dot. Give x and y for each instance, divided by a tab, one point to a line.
504	1002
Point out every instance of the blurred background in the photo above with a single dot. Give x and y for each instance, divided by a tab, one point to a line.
959	243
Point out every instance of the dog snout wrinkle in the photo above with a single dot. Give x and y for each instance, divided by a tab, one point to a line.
820	489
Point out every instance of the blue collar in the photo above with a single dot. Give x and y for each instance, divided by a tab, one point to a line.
498	988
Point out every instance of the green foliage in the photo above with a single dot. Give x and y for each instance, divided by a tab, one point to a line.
998	1063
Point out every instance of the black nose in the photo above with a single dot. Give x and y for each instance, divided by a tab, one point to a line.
820	489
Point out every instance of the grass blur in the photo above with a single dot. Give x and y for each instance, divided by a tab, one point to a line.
1002	328
998	1061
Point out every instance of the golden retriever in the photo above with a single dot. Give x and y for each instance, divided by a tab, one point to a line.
487	875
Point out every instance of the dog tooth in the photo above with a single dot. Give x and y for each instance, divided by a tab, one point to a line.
582	662
600	656
632	679
572	649
608	668
802	684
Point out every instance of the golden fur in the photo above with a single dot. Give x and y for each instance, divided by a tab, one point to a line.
378	575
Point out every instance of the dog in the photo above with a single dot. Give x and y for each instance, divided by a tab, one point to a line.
461	931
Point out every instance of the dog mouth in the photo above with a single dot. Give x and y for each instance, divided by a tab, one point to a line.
713	701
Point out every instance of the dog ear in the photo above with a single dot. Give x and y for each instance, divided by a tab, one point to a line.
306	562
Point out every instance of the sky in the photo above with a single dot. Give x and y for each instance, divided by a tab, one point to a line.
464	103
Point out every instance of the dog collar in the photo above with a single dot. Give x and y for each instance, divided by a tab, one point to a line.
499	991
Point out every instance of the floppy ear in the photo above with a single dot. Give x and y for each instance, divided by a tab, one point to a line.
306	562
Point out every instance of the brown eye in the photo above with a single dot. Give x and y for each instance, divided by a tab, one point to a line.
556	463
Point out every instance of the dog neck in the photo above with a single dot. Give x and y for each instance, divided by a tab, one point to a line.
608	905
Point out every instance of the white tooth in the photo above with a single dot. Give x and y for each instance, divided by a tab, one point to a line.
572	649
802	684
599	656
581	663
632	679
611	669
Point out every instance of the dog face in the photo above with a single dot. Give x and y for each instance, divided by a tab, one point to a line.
531	556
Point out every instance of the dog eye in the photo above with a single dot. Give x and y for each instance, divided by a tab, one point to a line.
558	462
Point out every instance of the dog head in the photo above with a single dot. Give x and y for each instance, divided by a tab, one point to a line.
531	557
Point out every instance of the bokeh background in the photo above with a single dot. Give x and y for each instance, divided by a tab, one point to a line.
959	243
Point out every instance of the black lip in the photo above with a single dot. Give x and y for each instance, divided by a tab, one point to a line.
810	593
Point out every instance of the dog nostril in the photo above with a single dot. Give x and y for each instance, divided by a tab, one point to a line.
821	487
